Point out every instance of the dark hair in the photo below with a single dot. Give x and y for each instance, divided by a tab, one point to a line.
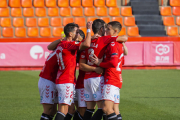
69	28
115	24
97	25
82	34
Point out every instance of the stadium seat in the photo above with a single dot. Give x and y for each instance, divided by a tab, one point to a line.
89	11
4	12
31	22
133	31
65	12
81	21
5	22
166	11
18	22
16	12
55	21
172	31
43	22
63	3
53	12
77	11
126	11
101	11
129	21
7	32
176	11
26	3
33	32
83	29
178	20
67	20
114	11
122	32
106	19
14	3
57	31
99	3
38	3
3	3
75	3
20	32
28	12
174	2
168	21
119	19
41	12
45	32
91	19
50	3
111	3
87	3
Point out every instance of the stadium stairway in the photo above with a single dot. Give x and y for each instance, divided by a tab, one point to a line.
148	18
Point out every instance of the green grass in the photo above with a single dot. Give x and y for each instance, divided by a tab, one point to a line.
145	95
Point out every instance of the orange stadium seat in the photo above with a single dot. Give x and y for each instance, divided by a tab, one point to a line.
122	32
101	11
67	20
7	32
26	3
14	3
75	3
126	11
133	31
174	2
87	3
4	12
91	19
16	12
50	3
166	11
99	3
119	19
45	32
89	11
106	19
63	3
18	22
176	11
53	12
114	11
20	32
178	20
3	3
81	21
43	22
33	32
31	22
172	31
77	11
38	3
111	3
83	29
168	21
57	31
28	12
41	12
55	21
65	12
129	21
5	22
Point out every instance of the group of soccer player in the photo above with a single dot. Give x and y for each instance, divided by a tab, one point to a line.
100	59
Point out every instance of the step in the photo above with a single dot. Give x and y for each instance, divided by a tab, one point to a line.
146	33
151	27
140	12
145	7
148	22
148	17
140	3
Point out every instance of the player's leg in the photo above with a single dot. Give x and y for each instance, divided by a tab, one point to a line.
116	105
108	110
71	111
81	102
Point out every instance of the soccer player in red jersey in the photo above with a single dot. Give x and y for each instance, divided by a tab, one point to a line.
66	58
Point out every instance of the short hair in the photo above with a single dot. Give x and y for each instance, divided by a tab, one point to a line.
69	28
97	25
82	34
115	24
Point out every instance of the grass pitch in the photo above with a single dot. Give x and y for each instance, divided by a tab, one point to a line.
145	95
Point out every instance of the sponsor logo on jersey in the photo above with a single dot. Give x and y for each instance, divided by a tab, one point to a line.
112	43
94	45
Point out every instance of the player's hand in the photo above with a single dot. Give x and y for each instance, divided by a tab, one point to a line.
99	70
89	25
95	36
79	38
94	59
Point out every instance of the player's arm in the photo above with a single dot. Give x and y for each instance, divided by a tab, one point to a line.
123	38
125	49
54	44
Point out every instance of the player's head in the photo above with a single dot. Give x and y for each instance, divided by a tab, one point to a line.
113	28
98	27
71	30
81	36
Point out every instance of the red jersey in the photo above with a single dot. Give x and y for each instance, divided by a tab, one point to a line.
97	47
113	64
66	58
50	68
